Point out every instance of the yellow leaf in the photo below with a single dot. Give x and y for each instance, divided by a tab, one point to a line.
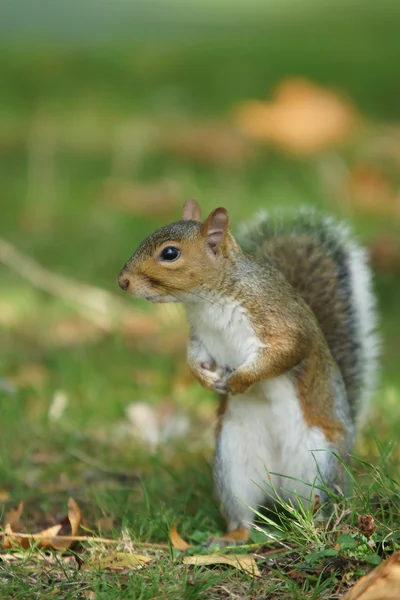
243	562
176	540
141	198
303	118
118	561
4	496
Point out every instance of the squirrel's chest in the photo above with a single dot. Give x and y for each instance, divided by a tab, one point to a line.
226	332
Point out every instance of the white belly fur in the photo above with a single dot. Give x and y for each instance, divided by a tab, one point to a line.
265	432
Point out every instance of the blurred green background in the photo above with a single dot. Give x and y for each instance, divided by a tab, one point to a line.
111	115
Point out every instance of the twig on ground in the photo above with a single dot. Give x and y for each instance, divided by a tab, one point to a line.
81	538
101	307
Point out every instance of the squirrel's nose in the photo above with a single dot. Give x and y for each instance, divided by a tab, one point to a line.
123	283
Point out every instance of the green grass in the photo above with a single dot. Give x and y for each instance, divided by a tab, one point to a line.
60	111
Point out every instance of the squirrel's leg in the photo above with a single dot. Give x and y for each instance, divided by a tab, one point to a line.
242	454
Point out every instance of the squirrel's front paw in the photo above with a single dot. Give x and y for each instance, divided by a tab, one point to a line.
215	380
219	380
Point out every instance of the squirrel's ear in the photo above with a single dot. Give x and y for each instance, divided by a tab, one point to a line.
191	211
215	227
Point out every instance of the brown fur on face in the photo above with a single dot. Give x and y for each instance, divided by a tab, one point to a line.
203	248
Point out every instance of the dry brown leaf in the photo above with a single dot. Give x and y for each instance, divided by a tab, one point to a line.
243	562
141	326
152	199
11	541
176	540
105	523
74	330
4	496
46	538
117	561
215	144
70	524
13	516
368	189
385	253
303	118
383	583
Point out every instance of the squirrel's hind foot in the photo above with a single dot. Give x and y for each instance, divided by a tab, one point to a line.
233	538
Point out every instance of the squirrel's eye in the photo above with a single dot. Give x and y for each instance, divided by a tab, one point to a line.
170	253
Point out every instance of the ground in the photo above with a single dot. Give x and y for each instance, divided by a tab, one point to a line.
85	134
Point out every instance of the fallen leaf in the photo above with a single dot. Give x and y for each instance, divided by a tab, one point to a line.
73	331
383	583
117	561
47	538
154	425
176	540
45	457
385	253
157	198
70	524
370	190
216	144
243	562
105	523
13	516
58	405
4	496
34	374
141	326
303	118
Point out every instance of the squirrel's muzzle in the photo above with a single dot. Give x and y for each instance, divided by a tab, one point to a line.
123	283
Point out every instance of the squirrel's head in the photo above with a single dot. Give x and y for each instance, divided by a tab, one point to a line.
182	259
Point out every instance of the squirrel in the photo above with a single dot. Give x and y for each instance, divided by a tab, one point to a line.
283	327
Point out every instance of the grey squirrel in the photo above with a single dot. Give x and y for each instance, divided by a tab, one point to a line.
282	323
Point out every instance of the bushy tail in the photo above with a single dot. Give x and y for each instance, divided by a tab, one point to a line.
330	271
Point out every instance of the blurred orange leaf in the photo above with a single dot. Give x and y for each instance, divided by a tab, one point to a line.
369	190
215	144
139	325
105	523
303	118
74	330
382	583
157	198
176	540
385	253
